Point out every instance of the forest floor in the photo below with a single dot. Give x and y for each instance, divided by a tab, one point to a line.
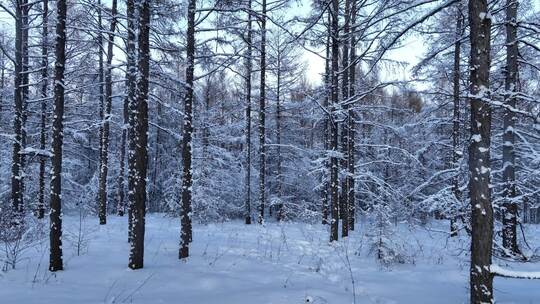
276	263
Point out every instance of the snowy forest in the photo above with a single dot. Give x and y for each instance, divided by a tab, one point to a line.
270	151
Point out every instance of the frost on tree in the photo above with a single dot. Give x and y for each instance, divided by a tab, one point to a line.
481	279
138	142
55	261
187	175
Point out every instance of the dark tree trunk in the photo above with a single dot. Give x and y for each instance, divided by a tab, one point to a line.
509	157
343	198
154	200
262	129
104	163
130	103
43	124
55	262
138	150
456	152
121	197
280	208
187	176
24	90
17	162
2	80
249	71
102	192
334	191
351	123
481	279
326	130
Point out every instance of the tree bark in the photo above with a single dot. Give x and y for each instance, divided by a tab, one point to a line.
481	280
55	237
344	204
280	208
131	100
509	232
187	176
456	152
104	163
102	192
351	123
43	123
326	124
262	129
17	162
334	191
138	150
249	71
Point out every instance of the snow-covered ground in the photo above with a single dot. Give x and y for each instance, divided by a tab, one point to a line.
234	263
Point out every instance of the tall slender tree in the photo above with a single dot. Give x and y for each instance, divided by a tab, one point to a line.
138	143
55	261
344	196
334	191
129	101
481	279
249	72
17	173
44	94
262	109
187	176
510	208
351	150
326	124
456	120
102	192
104	162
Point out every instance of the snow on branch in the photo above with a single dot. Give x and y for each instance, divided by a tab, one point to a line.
507	273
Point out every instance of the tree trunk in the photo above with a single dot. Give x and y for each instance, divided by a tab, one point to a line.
102	192
344	204
334	191
121	205
509	232
280	209
104	163
351	123
456	152
187	176
481	280
249	71
55	262
16	164
262	129
44	90
24	90
154	201
326	131
138	150
131	101
2	81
